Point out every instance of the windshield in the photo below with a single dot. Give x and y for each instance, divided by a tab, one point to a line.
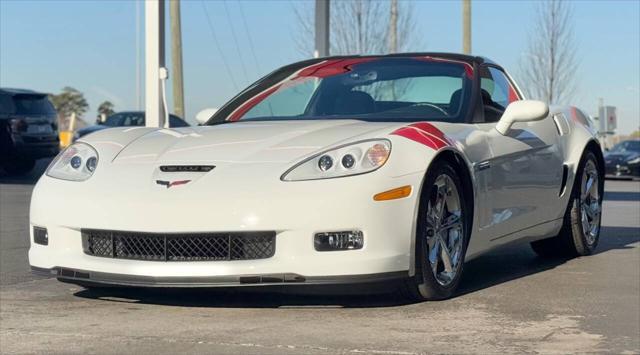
404	89
628	146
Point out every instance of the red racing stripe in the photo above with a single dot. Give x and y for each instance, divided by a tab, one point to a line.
179	182
426	134
331	67
240	111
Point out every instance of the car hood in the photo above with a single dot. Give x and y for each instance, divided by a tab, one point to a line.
245	142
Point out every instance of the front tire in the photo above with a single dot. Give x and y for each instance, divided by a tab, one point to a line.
580	231
442	235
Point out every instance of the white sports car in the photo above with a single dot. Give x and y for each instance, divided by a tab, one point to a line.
332	170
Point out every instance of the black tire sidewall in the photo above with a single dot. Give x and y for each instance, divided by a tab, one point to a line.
579	240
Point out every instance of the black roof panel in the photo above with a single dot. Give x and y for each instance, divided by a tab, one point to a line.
13	91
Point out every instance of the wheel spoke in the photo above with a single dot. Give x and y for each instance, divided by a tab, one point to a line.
451	222
431	218
434	250
585	220
446	257
587	209
587	187
440	206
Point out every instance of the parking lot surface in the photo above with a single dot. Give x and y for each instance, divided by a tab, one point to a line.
510	302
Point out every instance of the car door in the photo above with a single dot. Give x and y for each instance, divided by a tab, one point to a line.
524	173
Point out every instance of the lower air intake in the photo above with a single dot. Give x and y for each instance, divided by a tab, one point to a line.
179	246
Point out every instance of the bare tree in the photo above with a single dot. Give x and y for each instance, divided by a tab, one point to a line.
359	27
549	67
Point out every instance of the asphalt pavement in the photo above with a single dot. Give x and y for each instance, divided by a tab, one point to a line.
510	302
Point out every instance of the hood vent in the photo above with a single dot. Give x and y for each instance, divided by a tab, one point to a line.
186	168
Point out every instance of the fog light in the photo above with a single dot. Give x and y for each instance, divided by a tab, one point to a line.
40	236
328	241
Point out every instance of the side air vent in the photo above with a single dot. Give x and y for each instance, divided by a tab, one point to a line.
563	185
562	125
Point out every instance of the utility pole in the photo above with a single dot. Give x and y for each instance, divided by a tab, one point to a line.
322	29
176	58
393	27
154	60
138	95
466	26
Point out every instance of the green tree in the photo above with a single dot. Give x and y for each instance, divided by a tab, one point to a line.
106	109
68	101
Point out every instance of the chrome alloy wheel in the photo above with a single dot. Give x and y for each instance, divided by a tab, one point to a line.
445	230
590	208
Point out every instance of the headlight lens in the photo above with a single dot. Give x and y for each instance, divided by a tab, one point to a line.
352	159
76	163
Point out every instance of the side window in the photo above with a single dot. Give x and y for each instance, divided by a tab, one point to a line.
285	102
6	105
174	121
133	120
497	93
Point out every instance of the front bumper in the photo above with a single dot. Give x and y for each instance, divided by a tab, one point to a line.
295	211
106	279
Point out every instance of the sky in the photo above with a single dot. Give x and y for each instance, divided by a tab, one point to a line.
91	46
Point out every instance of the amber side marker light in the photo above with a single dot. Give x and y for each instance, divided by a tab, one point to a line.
400	192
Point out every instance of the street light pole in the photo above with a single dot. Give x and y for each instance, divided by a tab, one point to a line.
154	60
393	27
322	29
466	26
176	58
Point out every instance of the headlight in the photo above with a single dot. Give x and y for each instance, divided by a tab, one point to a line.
76	163
352	159
635	160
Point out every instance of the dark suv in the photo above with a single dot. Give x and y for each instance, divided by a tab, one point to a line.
28	129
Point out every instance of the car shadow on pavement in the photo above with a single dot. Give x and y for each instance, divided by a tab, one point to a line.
510	263
494	268
256	297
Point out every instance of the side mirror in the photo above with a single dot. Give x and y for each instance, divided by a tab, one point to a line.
522	111
203	116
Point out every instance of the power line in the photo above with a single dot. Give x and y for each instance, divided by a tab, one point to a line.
246	28
235	39
215	39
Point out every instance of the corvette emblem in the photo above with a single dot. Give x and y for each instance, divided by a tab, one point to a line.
169	184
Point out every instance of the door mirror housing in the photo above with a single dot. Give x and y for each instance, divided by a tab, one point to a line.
522	111
203	116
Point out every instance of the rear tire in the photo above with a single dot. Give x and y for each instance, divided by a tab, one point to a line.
580	231
442	236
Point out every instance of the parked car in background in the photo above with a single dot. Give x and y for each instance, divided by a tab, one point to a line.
623	160
28	129
126	119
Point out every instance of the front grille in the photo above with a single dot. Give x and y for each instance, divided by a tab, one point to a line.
178	246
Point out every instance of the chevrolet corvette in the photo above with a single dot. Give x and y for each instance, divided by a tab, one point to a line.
334	170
